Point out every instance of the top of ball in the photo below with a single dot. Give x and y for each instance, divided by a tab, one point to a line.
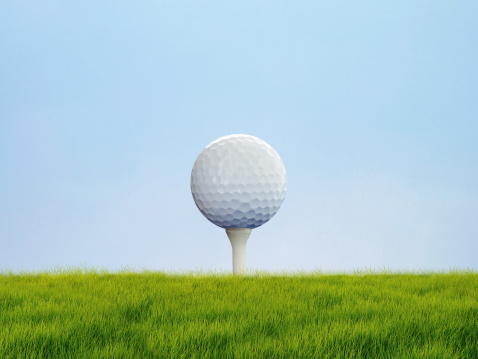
238	181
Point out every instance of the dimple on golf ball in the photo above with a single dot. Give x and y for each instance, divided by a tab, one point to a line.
238	181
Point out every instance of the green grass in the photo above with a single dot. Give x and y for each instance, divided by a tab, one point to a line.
88	313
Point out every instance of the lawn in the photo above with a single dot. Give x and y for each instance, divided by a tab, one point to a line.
88	313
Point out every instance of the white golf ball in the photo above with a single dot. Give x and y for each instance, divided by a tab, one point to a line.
238	181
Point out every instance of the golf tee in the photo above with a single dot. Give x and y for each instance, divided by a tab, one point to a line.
238	238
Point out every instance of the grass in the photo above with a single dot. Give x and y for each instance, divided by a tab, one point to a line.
90	313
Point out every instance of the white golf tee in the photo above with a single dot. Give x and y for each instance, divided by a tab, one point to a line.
238	238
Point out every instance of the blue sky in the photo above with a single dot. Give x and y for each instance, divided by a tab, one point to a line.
373	107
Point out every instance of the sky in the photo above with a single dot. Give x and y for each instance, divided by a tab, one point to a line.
372	106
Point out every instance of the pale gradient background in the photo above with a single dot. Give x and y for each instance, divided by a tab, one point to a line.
372	105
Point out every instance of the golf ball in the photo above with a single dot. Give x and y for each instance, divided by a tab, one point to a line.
238	181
